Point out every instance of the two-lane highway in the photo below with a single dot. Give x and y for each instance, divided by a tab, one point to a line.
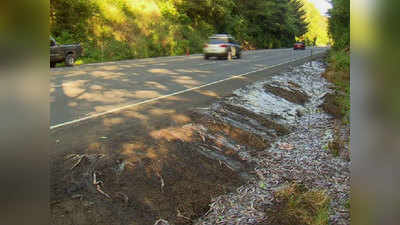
84	92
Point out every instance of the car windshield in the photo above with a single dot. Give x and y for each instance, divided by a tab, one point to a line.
218	40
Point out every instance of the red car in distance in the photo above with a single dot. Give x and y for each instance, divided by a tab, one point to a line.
299	45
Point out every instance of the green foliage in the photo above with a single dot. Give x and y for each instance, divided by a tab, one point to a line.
339	58
348	204
339	23
125	29
339	74
339	28
317	33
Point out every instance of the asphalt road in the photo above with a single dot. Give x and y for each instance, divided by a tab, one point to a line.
85	92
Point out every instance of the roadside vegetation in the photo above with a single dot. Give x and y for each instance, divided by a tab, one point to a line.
338	72
126	29
339	58
296	204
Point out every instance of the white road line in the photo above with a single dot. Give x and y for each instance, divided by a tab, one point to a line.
203	64
164	96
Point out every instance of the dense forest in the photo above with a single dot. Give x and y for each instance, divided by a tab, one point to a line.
123	29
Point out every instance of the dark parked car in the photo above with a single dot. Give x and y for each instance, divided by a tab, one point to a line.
299	45
64	53
222	46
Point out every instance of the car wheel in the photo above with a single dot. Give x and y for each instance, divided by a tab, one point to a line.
69	60
206	57
52	64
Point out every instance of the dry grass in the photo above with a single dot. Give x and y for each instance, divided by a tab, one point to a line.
335	147
296	204
339	146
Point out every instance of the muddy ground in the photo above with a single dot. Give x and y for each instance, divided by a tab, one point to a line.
107	188
179	168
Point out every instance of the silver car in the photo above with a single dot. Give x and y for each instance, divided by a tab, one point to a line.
222	46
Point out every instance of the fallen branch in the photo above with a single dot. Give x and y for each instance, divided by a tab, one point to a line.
77	196
70	156
94	178
182	216
98	187
123	196
162	181
226	164
161	222
79	160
